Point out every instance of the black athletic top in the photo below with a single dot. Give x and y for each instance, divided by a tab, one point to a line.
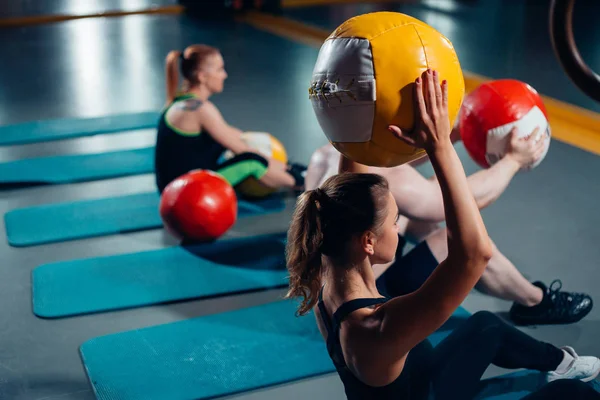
178	152
411	384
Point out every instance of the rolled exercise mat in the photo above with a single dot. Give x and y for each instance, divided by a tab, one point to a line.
52	223
160	276
66	128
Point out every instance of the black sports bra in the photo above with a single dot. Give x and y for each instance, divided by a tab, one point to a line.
411	384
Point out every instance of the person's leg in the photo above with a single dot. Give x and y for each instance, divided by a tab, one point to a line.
482	340
251	165
276	164
460	360
500	279
533	302
417	231
564	389
286	167
279	171
275	178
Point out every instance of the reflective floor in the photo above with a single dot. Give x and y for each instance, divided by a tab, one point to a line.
30	8
546	222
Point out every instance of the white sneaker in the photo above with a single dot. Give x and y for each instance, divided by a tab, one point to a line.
582	368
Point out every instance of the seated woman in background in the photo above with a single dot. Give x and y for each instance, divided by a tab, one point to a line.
192	133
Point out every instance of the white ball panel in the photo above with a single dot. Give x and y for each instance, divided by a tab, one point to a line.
497	137
343	89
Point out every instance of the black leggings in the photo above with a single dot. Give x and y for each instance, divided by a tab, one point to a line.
459	361
243	166
235	170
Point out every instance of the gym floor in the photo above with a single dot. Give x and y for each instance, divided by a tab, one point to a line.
546	222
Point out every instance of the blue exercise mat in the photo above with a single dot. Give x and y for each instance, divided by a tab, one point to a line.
224	354
100	217
206	357
65	128
160	276
77	168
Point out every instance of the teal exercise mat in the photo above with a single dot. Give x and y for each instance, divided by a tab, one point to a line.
207	357
173	274
222	355
66	128
210	356
52	223
76	168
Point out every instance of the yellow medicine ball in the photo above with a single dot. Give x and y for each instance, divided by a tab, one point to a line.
363	82
267	145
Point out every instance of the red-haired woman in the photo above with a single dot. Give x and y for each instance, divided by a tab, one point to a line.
192	133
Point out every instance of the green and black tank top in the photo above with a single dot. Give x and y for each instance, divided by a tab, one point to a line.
178	152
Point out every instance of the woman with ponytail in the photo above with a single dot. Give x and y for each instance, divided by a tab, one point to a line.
192	133
378	344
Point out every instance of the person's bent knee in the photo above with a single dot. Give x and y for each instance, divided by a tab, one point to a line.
253	157
259	165
244	166
485	316
485	320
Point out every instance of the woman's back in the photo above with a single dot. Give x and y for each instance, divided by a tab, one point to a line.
411	384
177	150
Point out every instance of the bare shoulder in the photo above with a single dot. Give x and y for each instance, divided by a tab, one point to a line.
191	104
209	112
363	351
207	107
365	354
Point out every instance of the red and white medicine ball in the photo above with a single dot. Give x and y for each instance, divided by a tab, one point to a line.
490	112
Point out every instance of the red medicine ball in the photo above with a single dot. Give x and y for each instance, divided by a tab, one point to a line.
490	112
200	205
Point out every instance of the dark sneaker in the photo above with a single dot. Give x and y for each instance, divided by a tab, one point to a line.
297	166
298	171
556	307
